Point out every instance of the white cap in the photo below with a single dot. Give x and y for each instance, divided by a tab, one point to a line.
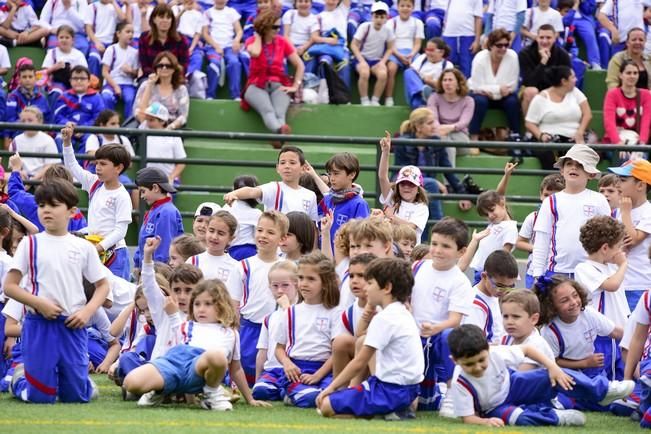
380	6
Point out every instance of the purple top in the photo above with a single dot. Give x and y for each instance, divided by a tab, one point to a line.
445	113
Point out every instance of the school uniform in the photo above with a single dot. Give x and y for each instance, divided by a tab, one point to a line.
18	99
40	142
162	220
351	206
406	32
14	310
214	267
459	31
271	384
165	147
487	315
360	12
526	231
373	42
25	18
533	340
346	296
191	22
99	337
416	213
103	19
80	109
416	91
300	27
625	15
642	315
115	57
139	339
5	264
507	15
121	293
336	19
348	321
434	15
55	14
505	232
638	273
55	55
535	17
243	245
281	197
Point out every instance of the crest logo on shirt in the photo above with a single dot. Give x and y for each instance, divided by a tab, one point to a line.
74	256
110	202
149	228
589	335
306	205
496	230
589	210
322	324
89	107
408	215
439	294
222	274
341	219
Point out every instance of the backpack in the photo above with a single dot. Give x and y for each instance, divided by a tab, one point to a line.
337	89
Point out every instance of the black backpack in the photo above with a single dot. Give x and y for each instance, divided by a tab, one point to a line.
337	89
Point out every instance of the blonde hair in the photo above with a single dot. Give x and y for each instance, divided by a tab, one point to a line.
188	245
325	268
404	232
279	219
35	111
375	228
342	236
289	266
226	314
416	119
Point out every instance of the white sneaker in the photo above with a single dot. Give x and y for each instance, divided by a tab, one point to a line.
375	103
216	400
388	102
570	417
19	372
447	407
94	394
596	67
617	390
151	399
366	102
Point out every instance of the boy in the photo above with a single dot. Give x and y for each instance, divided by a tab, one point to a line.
498	277
489	392
442	295
23	27
556	248
100	21
56	13
462	32
286	195
635	213
162	219
538	15
202	216
372	45
183	280
25	95
58	311
392	337
609	187
617	19
109	203
248	286
405	237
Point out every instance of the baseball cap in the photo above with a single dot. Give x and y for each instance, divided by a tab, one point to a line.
379	6
158	111
154	175
584	155
207	209
410	174
638	169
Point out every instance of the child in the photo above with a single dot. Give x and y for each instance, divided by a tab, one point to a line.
119	68
34	141
63	310
25	95
617	19
497	278
409	33
57	14
602	274
109	119
422	76
215	263
59	60
156	118
538	15
372	45
300	238
638	355
223	33
507	15
249	286
5	265
201	217
392	337
488	391
190	19
163	219
283	282
247	214
635	213
200	364
556	247
462	32
101	20
441	296
79	105
183	247
286	195
609	187
579	20
406	238
300	26
304	337
24	27
182	282
109	204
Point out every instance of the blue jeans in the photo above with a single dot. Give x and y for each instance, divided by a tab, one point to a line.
509	104
409	155
128	96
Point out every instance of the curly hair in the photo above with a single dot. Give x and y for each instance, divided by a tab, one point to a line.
222	302
177	77
545	294
265	21
600	230
462	83
497	35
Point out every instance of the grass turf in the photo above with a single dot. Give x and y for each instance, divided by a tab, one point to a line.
111	415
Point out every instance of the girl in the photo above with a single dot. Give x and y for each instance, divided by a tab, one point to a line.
157	118
106	14
183	247
304	338
300	237
283	282
421	77
201	217
120	66
211	346
215	263
247	215
300	25
34	141
5	265
60	60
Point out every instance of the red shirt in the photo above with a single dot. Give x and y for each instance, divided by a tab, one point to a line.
270	64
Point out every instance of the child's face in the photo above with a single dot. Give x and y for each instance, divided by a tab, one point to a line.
303	5
290	245
339	179
113	122
126	34
497	286
379	19
427	128
263	5
374	294
545	193
149	195
182	292
27	79
219	4
517	322
29	118
16	238
217	237
356	280
611	193
574	174
79	82
289	167
330	4
267	235
433	52
629	186
154	123
106	170
199	227
612	251
405	7
497	213
143	309
406	246
474	366
567	302
65	41
544	3
203	309
54	217
175	257
444	252
407	191
377	247
282	282
309	284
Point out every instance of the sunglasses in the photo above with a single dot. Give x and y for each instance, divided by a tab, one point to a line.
275	27
164	66
501	45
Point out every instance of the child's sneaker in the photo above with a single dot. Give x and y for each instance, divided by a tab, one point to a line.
151	399
94	391
388	102
447	407
397	416
216	400
19	372
617	390
570	417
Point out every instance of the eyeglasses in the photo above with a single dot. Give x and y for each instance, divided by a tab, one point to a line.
164	66
79	78
500	285
501	45
275	27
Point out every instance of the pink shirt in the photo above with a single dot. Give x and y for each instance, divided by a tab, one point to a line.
458	112
620	112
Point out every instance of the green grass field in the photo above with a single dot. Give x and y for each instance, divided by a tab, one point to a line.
111	415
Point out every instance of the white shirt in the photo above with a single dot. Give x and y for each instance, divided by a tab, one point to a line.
55	265
347	321
460	18
431	70
638	272
137	18
300	27
560	217
249	284
121	294
281	197
486	314
307	331
24	19
575	341
534	18
534	340
55	55
504	13
213	267
267	340
613	305
561	118
93	143
247	220
14	310
41	142
626	15
165	147
346	296
55	14
373	42
395	336
220	25
337	19
211	336
191	21
502	233
415	213
526	231
5	266
406	32
437	293
483	79
115	57
103	18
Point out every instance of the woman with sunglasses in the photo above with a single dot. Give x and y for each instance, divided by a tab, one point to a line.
165	86
269	86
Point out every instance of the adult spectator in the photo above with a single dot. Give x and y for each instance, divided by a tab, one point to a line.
494	82
559	114
269	86
635	42
162	36
536	61
166	86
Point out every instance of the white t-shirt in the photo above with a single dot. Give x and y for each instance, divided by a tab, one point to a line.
41	142
346	323
211	336
5	61
613	305
346	296
247	220
561	216
486	314
415	213
55	265
93	143
266	341
55	14
191	21
115	57
535	340
502	233
213	267
373	42
121	294
562	118
437	293
427	69
220	24
55	55
248	283
638	272
24	19
301	27
575	341
534	18
5	266
137	18
526	231
283	198
165	147
14	310
406	32
335	19
103	18
460	18
399	353
504	13
629	14
307	331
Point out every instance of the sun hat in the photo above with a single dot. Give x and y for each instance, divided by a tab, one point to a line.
583	155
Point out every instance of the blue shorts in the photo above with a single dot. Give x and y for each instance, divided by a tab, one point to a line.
395	60
270	386
249	335
373	397
304	395
177	368
371	63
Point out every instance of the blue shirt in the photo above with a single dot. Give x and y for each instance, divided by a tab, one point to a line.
164	220
355	207
80	109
